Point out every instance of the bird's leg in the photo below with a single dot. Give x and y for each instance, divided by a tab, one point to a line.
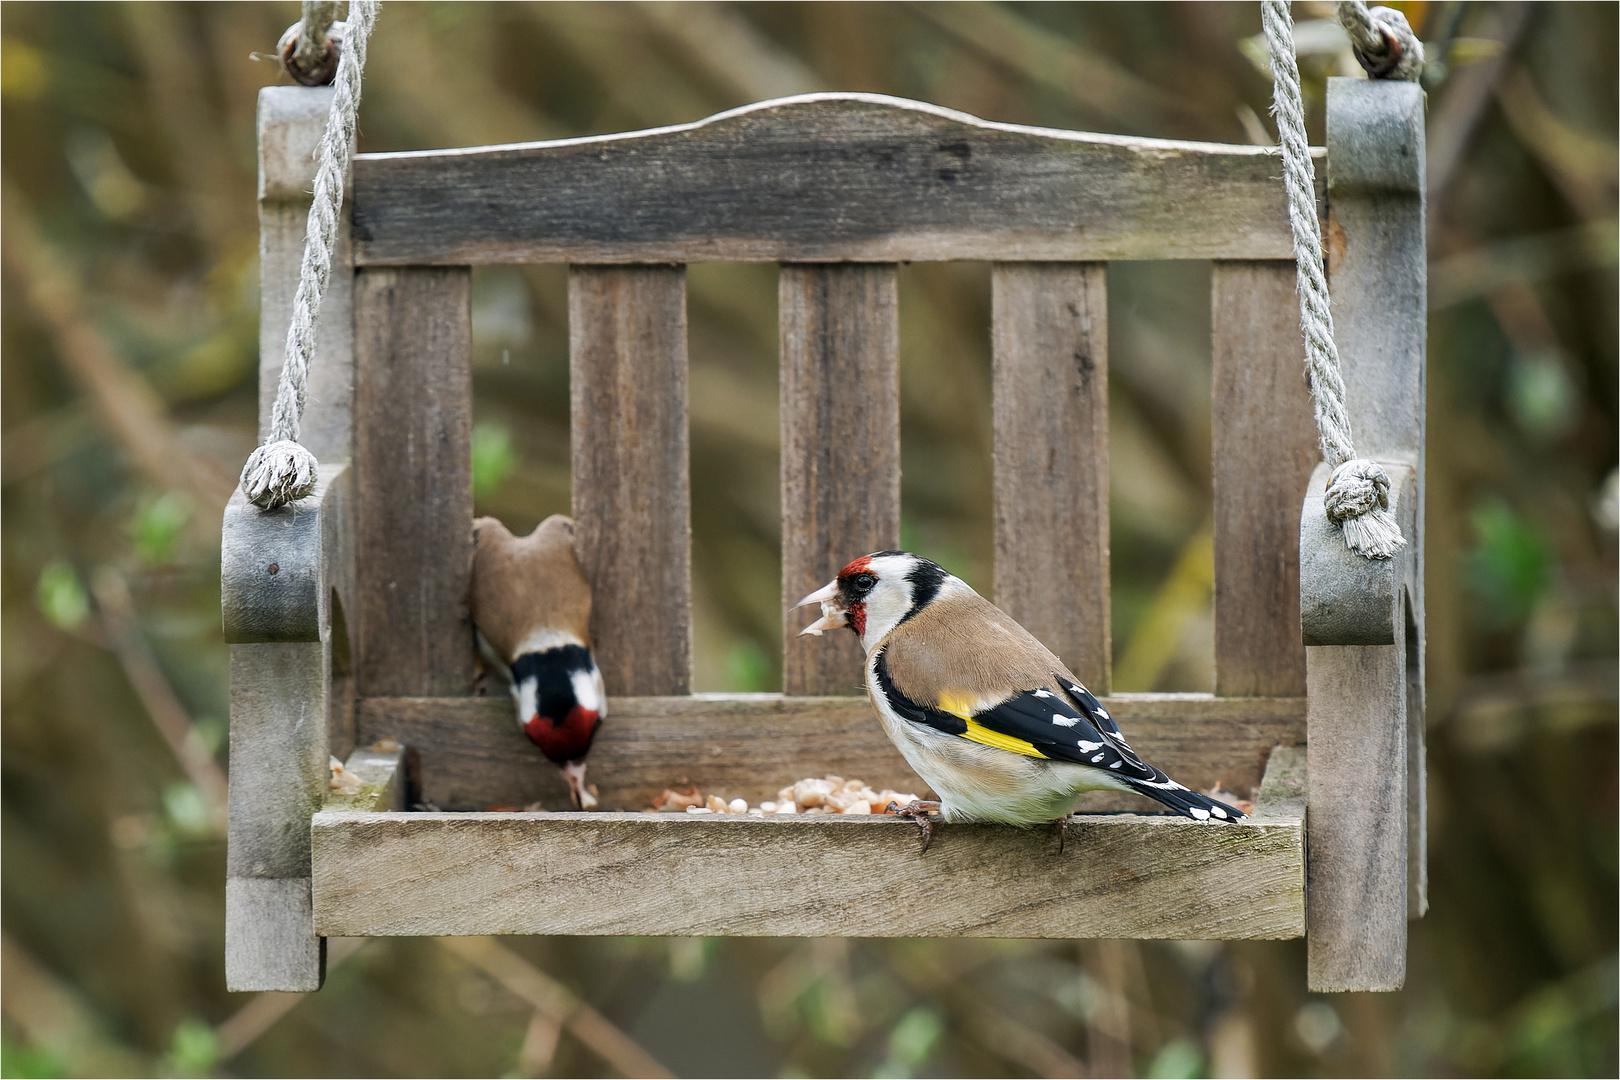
574	773
1061	827
918	811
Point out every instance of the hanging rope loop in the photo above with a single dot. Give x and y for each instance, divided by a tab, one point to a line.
281	471
1382	39
1357	495
309	47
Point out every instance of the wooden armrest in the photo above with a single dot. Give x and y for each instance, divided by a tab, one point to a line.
278	567
1344	598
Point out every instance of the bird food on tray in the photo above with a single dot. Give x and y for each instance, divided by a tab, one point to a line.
812	795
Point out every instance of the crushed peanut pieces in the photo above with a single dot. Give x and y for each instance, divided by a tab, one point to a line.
813	795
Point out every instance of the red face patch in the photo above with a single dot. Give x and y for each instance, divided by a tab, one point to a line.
857	618
565	741
856	567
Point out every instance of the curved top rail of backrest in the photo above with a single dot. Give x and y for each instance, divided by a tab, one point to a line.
822	178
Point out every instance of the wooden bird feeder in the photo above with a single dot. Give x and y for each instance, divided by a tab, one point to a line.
348	619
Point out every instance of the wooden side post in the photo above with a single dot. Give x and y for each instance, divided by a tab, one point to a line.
632	494
281	651
1264	450
413	477
1363	833
1049	338
840	416
292	120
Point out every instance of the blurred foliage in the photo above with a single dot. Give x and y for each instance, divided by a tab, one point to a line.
130	315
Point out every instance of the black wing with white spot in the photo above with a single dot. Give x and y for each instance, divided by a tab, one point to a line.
1074	727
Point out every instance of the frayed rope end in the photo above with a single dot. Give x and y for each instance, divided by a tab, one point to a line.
1357	500
278	473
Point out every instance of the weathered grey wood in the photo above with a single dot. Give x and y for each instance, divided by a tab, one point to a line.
469	754
1264	449
270	939
278	771
1378	261
1285	786
282	710
1345	599
631	492
413	476
825	177
291	122
600	873
1356	877
1049	335
1361	840
840	422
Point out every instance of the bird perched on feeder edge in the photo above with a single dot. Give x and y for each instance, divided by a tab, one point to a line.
983	712
531	607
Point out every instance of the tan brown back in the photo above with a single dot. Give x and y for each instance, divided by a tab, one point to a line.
522	585
963	643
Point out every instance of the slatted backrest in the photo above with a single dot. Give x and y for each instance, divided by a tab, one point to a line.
838	189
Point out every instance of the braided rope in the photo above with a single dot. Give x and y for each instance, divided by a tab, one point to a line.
1382	40
1357	496
281	471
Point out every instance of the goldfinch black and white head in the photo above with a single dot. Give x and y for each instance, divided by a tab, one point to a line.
996	724
531	606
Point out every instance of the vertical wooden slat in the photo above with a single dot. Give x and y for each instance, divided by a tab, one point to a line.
1050	355
1361	843
1264	450
413	477
840	417
632	496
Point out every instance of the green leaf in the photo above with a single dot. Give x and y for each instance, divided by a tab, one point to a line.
1511	566
493	459
157	526
1178	1058
62	598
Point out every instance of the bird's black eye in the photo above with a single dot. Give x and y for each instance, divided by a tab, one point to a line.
862	583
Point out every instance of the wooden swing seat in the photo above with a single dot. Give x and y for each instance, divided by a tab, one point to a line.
347	612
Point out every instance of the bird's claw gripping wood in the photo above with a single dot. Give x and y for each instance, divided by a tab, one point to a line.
918	811
1061	827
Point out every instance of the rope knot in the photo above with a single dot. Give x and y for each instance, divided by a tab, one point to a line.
1357	500
1383	41
278	473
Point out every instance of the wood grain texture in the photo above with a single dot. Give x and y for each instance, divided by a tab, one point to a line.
468	754
277	780
682	874
1361	837
840	423
1378	264
632	493
1356	884
291	121
413	479
1264	450
824	178
1049	335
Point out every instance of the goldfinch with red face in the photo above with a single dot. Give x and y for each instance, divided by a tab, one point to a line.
983	712
531	606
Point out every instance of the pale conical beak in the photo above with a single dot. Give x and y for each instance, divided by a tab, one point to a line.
827	592
832	616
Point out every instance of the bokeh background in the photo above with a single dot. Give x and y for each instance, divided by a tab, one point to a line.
129	346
